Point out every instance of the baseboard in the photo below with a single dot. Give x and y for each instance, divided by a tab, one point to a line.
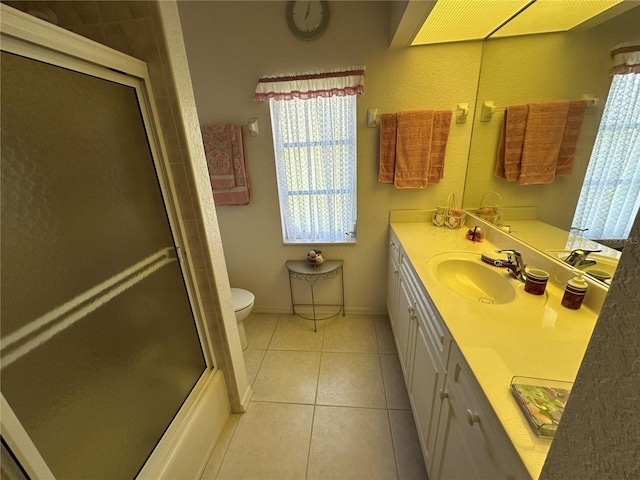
360	311
246	398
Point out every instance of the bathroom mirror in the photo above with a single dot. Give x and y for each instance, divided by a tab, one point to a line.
537	68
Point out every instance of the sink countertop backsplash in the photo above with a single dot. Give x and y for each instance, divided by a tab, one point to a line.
506	340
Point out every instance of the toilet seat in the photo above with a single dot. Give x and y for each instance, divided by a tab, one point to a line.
241	299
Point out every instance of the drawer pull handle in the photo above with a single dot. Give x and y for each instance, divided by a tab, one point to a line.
472	417
443	395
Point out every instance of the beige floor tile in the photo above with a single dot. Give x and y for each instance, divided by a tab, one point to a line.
211	470
407	446
295	333
386	343
259	328
287	376
394	387
350	334
351	443
351	379
252	361
271	441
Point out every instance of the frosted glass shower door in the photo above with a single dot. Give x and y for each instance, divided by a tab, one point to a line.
99	346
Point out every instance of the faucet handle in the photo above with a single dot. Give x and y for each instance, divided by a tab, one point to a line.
513	256
510	252
581	252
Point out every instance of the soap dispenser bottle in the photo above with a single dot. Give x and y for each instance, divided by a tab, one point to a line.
574	292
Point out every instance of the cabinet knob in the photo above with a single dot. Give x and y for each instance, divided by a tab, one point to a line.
395	271
443	395
410	310
472	417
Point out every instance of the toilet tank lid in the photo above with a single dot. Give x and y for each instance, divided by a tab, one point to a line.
241	298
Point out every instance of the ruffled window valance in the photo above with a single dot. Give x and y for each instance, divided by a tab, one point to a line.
348	81
626	58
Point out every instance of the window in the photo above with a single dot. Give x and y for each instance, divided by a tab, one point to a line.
315	149
610	194
313	118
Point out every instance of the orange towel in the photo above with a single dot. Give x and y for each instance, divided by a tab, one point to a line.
542	140
441	125
575	116
413	149
511	142
388	124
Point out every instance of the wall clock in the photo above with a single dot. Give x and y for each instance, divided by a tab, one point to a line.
308	19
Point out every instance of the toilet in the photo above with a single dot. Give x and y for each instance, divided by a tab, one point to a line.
242	305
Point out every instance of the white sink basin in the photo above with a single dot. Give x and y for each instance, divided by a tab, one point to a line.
603	263
467	275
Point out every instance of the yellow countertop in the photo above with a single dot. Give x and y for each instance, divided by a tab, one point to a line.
532	336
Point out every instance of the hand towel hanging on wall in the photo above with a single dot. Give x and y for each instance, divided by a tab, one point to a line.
388	130
223	146
441	125
413	147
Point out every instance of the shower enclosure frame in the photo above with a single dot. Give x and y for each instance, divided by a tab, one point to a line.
208	403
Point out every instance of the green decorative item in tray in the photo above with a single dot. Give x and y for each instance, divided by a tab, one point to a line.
542	401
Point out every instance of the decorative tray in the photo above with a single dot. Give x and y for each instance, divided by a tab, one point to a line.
542	401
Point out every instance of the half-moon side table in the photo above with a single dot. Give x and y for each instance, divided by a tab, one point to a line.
303	270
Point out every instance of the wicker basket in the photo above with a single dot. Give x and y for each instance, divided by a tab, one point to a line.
492	213
449	216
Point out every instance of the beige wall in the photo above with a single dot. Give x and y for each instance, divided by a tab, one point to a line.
230	45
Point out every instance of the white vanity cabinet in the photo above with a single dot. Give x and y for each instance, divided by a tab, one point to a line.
460	435
422	342
472	443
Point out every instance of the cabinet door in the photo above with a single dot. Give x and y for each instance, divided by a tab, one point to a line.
455	459
427	383
464	449
393	275
405	327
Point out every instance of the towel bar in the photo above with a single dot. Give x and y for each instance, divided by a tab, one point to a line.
461	112
489	108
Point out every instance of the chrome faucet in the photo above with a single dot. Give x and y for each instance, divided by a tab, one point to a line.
578	258
514	264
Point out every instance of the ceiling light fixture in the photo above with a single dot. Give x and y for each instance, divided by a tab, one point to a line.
465	20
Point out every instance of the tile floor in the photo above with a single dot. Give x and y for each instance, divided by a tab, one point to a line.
330	404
